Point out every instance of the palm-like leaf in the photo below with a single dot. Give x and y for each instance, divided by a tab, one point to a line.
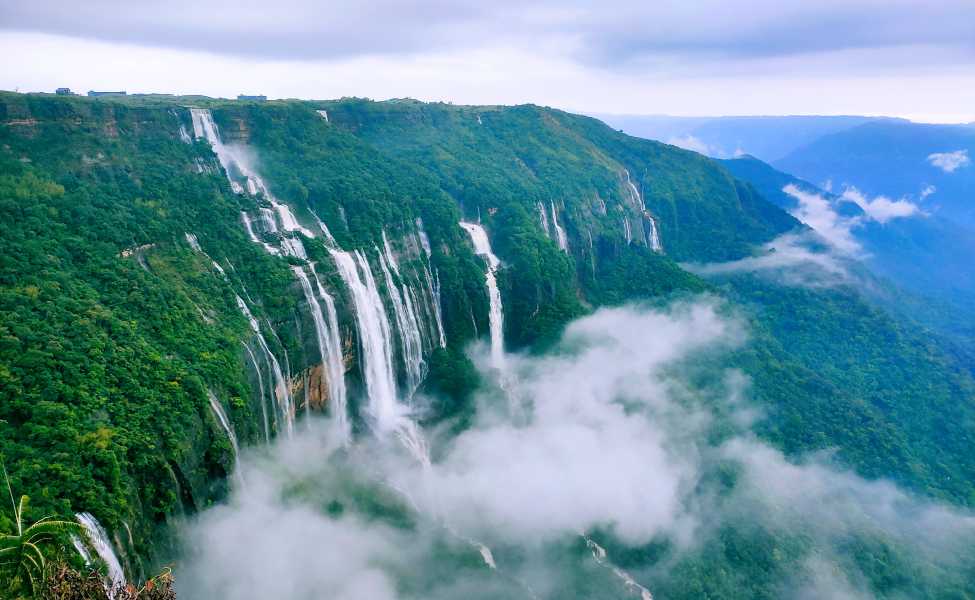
22	552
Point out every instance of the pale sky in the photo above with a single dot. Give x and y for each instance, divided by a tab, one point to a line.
913	59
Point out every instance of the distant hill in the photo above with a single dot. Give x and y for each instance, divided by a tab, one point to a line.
768	138
897	159
927	255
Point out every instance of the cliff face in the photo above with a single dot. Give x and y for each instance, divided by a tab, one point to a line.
293	264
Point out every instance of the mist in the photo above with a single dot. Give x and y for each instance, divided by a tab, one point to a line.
614	433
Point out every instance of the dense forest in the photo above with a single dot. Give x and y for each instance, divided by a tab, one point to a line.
115	331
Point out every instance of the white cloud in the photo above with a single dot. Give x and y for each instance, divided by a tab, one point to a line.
500	71
789	257
689	142
817	212
927	191
605	432
949	162
882	208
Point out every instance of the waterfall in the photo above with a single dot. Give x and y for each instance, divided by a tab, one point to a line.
432	283
235	163
411	342
260	385
267	219
559	232
224	422
543	217
101	544
329	238
193	242
433	288
424	239
324	114
329	345
627	233
249	226
228	428
654	235
592	252
334	361
599	555
482	246
321	330
282	392
374	337
389	254
634	193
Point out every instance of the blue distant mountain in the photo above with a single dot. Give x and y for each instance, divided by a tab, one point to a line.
928	255
897	159
768	138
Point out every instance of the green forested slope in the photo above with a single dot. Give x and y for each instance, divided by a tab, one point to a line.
106	354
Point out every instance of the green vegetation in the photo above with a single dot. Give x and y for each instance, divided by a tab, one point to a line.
112	329
24	551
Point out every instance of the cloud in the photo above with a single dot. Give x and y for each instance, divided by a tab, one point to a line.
620	34
689	142
949	162
817	212
594	448
882	208
927	191
609	431
791	257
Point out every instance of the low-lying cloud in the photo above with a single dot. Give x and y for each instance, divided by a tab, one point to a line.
949	162
794	258
607	432
819	213
882	208
689	142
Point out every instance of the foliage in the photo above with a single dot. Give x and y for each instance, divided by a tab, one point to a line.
112	330
66	583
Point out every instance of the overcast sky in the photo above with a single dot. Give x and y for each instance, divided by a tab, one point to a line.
700	57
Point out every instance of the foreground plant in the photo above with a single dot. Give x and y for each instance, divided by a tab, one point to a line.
23	552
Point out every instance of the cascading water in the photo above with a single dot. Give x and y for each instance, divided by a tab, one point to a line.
194	243
102	546
374	338
482	247
592	252
334	362
224	422
637	200
599	555
282	392
236	165
249	226
655	244
433	288
388	252
329	346
228	428
543	217
424	239
260	385
411	342
634	193
560	236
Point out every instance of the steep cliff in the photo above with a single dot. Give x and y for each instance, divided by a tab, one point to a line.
289	261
